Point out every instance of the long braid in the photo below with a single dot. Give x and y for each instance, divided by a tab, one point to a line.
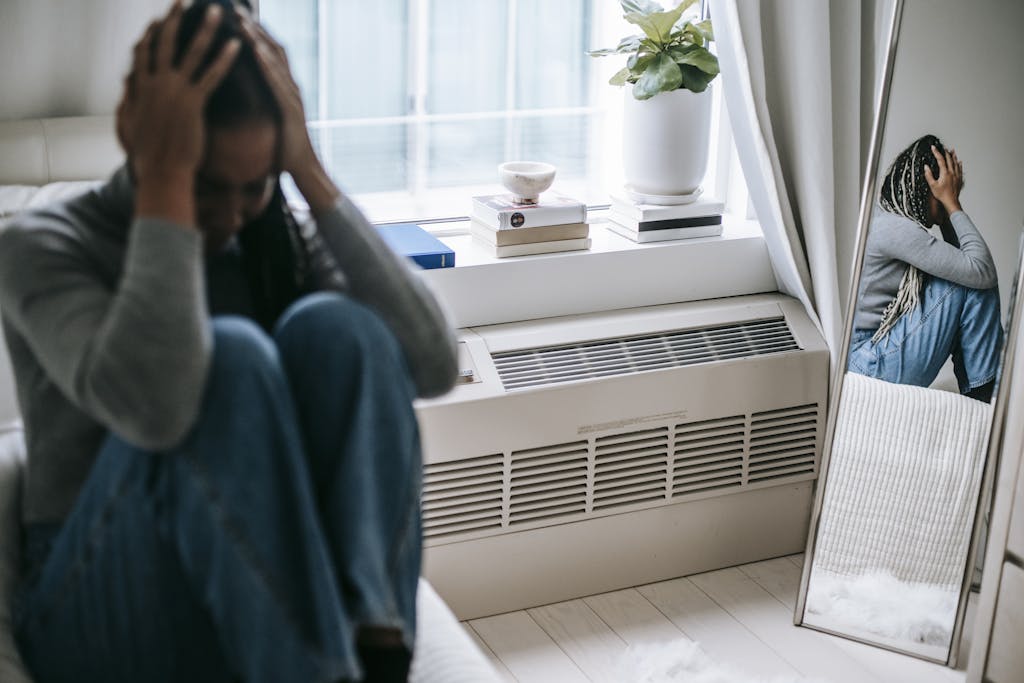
905	193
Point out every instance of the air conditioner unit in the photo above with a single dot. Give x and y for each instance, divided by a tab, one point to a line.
594	452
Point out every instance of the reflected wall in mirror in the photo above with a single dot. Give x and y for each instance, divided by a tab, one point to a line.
890	544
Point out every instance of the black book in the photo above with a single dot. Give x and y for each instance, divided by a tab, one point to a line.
670	224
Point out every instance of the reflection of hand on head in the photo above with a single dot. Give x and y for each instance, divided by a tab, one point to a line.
946	188
160	116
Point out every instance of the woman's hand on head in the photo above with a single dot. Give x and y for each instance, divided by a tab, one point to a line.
160	117
297	154
946	188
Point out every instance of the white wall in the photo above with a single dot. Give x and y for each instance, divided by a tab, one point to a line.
960	74
67	57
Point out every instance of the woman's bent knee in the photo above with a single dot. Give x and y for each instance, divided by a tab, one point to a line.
331	321
239	343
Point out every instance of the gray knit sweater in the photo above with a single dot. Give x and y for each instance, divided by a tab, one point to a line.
895	241
107	321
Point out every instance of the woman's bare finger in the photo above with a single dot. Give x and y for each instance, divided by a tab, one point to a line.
929	177
201	42
143	51
168	36
220	66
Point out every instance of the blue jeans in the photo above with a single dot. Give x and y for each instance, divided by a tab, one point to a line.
949	321
255	550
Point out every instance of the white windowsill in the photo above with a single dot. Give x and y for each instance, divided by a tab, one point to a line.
615	273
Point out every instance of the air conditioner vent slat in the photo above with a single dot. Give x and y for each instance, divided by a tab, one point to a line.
447	507
604	468
548	472
696	454
443	530
628	488
709	459
468	515
618	456
704	487
733	464
629	499
796	440
632	446
436	492
784	430
602	441
543	366
730	429
640	476
456	476
462	465
548	513
793	466
562	492
688	478
541	462
782	453
468	518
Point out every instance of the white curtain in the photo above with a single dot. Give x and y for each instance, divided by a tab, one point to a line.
800	78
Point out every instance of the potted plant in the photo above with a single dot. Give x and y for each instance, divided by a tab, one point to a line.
667	119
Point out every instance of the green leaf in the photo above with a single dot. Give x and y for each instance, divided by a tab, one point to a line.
638	62
621	77
694	79
662	75
705	28
627	44
657	26
696	56
640	6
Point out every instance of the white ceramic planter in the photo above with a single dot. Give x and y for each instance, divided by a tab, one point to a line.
665	141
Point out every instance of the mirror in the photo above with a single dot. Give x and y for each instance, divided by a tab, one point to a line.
890	558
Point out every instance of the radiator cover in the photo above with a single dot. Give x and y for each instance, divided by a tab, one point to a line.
575	420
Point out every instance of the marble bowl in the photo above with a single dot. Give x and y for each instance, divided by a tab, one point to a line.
526	179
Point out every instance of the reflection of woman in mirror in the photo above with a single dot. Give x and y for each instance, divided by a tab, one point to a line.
923	299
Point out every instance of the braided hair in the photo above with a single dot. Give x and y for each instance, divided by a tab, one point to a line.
274	258
905	192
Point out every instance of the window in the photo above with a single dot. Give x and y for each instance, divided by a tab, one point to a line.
413	103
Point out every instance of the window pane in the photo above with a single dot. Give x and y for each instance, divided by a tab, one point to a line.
465	152
367	58
364	158
294	25
467	46
551	64
559	140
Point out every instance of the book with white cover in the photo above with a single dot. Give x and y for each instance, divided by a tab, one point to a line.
535	247
664	235
653	212
668	224
502	212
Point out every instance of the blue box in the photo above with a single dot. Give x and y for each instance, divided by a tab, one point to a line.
409	239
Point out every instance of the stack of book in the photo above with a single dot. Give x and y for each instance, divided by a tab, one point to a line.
656	223
555	223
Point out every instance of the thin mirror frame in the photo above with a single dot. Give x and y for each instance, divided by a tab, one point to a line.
869	186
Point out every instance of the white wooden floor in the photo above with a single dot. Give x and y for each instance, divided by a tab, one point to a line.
741	617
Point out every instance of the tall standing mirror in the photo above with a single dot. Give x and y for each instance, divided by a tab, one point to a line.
902	495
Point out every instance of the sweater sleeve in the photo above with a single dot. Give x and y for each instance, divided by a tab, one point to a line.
378	277
135	358
970	265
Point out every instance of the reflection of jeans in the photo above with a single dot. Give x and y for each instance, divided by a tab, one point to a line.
288	518
949	320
